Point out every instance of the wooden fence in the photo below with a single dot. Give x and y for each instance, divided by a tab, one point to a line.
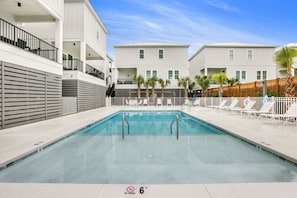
275	87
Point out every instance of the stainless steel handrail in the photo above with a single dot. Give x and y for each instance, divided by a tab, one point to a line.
177	131
123	126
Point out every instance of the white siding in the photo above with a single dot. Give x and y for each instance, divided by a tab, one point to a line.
175	58
73	21
94	34
215	59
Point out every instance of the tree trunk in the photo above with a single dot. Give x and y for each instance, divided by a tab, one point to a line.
290	87
186	93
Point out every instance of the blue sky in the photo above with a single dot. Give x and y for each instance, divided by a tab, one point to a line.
198	22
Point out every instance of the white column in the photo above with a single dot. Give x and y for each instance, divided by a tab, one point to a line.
59	39
83	54
205	71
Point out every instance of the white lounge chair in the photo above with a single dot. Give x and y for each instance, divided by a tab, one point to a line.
247	107
291	113
231	106
221	105
265	109
159	102
139	102
169	102
144	102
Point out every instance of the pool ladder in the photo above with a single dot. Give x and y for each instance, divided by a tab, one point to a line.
177	131
123	126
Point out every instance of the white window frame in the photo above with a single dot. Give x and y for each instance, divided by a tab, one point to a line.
237	74
229	54
162	53
176	77
264	76
152	72
243	72
258	75
170	77
139	53
248	55
146	74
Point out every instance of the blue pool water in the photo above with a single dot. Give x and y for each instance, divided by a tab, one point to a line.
150	155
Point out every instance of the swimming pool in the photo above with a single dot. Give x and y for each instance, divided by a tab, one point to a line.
150	155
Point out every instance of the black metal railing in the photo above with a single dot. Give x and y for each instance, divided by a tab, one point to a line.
94	72
73	64
13	35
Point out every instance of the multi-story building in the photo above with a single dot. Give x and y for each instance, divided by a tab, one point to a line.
30	64
50	49
162	60
85	60
247	62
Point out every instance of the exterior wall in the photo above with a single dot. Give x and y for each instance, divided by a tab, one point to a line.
94	33
215	59
28	95
175	58
13	54
89	96
73	21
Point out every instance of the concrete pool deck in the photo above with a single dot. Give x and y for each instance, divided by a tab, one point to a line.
267	134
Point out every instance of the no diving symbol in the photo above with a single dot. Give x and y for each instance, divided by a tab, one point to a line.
130	190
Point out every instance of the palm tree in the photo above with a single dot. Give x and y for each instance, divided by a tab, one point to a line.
184	82
163	85
203	82
152	82
220	78
139	81
146	85
232	81
284	58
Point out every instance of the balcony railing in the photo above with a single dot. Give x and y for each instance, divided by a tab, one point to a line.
125	81
94	72
13	35
74	64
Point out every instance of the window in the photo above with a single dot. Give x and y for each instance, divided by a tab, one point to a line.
231	54
148	74
238	74
170	74
258	75
243	75
250	54
176	74
155	73
161	53
264	75
141	53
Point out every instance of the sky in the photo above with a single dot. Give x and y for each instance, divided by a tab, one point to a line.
198	22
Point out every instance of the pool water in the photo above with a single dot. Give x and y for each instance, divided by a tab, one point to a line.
150	155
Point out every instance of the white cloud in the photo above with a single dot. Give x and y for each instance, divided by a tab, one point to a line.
222	5
172	23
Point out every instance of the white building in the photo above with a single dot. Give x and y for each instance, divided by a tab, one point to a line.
247	62
85	59
163	60
31	81
50	49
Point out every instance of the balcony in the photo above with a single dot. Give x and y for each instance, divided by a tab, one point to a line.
126	81
13	35
94	72
74	64
77	65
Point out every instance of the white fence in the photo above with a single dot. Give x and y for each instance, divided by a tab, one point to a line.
280	106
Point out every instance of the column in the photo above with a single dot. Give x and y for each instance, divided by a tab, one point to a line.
59	40
83	54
